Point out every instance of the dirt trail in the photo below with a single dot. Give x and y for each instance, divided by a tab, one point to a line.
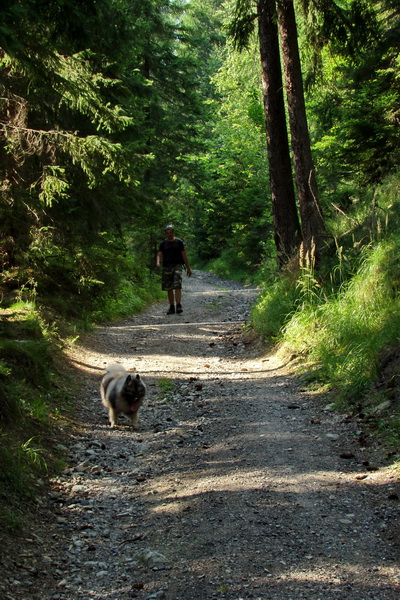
236	485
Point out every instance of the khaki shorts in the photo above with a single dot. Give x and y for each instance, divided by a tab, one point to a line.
172	278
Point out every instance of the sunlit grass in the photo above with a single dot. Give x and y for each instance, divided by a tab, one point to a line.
274	307
344	335
166	387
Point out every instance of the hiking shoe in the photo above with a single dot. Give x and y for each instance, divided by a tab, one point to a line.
171	310
179	308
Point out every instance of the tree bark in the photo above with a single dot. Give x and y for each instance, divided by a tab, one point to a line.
286	222
312	221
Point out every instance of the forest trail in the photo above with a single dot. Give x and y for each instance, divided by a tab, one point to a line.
237	485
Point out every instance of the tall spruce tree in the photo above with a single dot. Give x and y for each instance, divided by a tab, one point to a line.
312	222
286	223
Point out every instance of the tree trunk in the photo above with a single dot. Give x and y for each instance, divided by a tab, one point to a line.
312	222
286	222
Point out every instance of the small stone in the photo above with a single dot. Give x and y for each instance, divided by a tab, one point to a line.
347	455
381	407
81	468
160	595
137	586
152	558
61	448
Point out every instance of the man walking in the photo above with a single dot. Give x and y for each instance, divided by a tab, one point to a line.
171	253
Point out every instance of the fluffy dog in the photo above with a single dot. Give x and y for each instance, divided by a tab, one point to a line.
122	393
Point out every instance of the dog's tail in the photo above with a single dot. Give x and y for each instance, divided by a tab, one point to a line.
115	369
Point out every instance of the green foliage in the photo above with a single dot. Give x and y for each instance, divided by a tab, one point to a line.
353	104
350	329
10	520
274	307
25	359
21	465
32	455
232	264
128	298
166	388
242	24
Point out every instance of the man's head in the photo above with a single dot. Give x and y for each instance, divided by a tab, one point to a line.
169	232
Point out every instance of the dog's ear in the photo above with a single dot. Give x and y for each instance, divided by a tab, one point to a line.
138	376
128	379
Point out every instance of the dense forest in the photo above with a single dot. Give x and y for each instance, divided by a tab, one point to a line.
267	131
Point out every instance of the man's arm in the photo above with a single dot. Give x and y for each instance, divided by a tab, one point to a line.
185	260
159	258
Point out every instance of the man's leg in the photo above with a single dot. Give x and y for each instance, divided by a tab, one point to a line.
178	296
167	286
171	310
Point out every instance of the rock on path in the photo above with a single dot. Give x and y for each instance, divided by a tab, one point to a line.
236	485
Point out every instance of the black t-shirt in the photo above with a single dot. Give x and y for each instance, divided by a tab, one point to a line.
172	252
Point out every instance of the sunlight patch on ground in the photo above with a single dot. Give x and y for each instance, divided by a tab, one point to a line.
343	571
238	479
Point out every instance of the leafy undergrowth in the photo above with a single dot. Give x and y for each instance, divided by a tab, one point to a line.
231	265
32	394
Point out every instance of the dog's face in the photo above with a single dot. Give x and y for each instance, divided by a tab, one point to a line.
134	388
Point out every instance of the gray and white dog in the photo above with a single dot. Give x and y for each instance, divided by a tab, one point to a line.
122	393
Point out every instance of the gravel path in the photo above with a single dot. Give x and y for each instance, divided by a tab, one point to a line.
237	485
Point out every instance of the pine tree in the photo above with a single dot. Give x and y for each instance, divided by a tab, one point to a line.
312	222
